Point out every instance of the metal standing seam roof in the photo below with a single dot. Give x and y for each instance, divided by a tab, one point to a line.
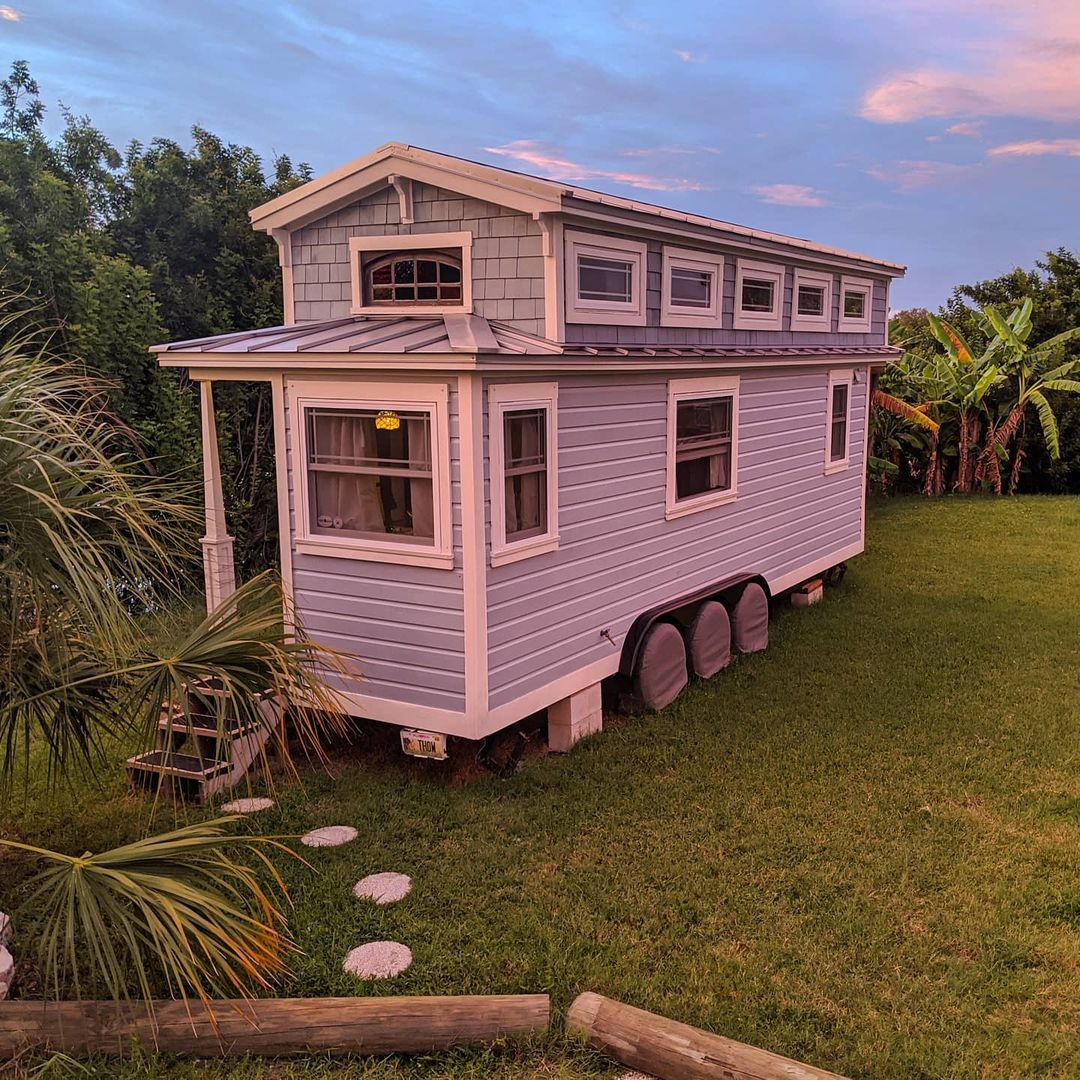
450	333
459	333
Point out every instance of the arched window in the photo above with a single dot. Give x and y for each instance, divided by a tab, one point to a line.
414	277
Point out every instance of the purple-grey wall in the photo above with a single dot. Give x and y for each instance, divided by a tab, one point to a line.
655	334
618	555
507	265
404	624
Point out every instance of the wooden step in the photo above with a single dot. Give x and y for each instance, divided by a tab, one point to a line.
206	724
181	766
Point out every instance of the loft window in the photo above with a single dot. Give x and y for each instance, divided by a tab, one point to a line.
854	304
838	425
413	277
370	474
605	278
692	283
423	273
759	294
524	460
691	288
855	296
811	300
813	308
702	443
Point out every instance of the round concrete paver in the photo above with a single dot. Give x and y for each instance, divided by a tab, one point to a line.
377	960
383	888
329	836
247	806
635	1076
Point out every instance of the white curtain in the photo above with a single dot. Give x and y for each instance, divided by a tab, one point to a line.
423	508
347	501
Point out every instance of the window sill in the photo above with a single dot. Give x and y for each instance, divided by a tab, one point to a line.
810	327
404	556
397	311
836	467
605	316
742	321
706	502
853	327
710	321
524	549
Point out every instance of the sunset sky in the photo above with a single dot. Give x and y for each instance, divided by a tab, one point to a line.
942	135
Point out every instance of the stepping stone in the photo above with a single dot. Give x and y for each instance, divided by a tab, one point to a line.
329	836
383	888
377	960
7	972
247	806
635	1076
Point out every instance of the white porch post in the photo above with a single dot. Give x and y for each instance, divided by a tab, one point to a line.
217	544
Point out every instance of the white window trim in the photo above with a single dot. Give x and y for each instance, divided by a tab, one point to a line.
415	242
838	376
433	397
813	323
688	390
759	320
509	397
605	312
856	326
703	261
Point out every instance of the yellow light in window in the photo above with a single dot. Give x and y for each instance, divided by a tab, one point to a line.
388	420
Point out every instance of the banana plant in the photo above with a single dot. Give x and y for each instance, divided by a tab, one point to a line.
1029	373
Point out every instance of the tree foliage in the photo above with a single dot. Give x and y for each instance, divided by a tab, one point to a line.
113	252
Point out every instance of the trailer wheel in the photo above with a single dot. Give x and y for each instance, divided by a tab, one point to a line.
751	620
834	575
660	676
709	639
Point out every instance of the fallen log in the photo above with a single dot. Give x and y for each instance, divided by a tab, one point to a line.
270	1027
673	1051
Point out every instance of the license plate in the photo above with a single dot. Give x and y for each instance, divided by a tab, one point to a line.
425	744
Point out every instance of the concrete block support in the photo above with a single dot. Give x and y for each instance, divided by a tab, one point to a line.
574	717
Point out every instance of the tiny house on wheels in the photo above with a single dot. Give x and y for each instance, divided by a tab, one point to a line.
530	436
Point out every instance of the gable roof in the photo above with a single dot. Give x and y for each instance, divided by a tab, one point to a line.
505	187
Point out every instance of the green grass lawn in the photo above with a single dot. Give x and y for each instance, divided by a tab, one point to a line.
860	848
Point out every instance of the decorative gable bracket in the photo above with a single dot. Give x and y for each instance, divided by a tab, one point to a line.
404	187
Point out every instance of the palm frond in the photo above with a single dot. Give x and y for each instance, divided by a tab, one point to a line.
904	409
196	911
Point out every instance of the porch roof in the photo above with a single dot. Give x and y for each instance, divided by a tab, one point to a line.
456	333
453	332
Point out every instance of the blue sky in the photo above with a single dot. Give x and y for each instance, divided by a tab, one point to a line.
943	136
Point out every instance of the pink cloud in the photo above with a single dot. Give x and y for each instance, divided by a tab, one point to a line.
1017	60
9	14
909	175
1037	148
552	165
654	151
688	57
789	195
970	130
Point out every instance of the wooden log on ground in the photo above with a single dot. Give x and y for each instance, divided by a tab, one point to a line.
270	1027
674	1051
